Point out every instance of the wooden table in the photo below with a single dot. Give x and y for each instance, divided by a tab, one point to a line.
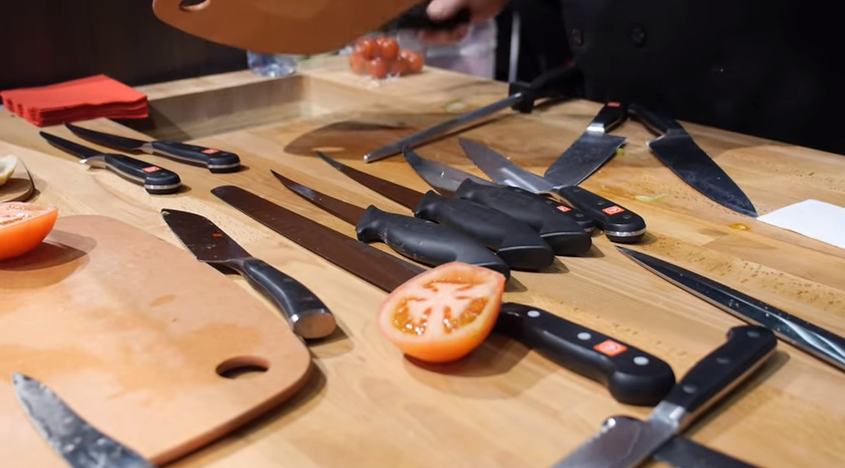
503	406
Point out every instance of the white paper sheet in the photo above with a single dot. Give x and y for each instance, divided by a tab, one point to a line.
812	218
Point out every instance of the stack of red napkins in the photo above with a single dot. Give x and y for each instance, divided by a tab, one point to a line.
84	99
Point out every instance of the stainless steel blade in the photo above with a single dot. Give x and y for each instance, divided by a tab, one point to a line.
586	155
202	237
439	175
79	444
107	139
76	149
502	171
681	452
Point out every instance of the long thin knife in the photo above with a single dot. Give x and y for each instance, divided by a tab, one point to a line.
812	339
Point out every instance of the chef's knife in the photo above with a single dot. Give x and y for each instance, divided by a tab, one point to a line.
810	338
78	443
632	376
591	150
618	223
217	161
679	152
155	180
304	311
562	233
625	442
515	242
415	238
416	18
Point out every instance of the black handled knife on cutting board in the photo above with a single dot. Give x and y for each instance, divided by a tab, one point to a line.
155	180
631	375
305	312
515	242
217	161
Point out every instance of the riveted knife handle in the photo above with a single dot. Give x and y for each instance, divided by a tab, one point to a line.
610	116
417	18
156	180
561	232
747	348
619	224
216	160
655	120
520	246
631	375
424	241
555	82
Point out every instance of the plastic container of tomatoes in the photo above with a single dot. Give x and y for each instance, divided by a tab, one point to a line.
382	56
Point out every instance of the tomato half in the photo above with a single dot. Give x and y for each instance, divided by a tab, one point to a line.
443	314
23	226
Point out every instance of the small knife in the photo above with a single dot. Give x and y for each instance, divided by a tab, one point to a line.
562	233
155	180
515	242
217	161
306	313
78	443
625	442
618	223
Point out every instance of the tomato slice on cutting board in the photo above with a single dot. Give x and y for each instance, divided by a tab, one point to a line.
23	226
443	314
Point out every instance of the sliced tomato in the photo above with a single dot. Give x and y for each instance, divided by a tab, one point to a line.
443	314
23	226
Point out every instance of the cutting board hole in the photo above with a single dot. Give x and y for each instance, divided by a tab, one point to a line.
193	5
242	367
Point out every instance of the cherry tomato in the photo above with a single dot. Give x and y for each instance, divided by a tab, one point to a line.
377	68
23	226
443	314
367	47
388	48
413	60
397	67
357	63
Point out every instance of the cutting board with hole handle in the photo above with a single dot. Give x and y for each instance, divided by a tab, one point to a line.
140	339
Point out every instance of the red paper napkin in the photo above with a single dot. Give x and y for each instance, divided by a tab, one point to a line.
83	99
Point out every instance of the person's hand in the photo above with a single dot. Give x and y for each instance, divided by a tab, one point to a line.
480	11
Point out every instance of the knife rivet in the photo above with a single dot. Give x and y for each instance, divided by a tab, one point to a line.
533	313
638	36
584	336
641	361
690	388
723	360
753	334
577	37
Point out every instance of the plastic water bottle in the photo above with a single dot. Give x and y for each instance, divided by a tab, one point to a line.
475	54
271	65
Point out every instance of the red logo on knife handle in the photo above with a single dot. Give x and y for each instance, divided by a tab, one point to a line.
210	151
150	169
563	208
610	348
612	210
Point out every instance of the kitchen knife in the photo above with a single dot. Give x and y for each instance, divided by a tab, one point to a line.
591	150
155	180
631	376
78	443
562	233
810	338
217	161
415	238
416	18
679	152
618	223
304	311
625	442
515	242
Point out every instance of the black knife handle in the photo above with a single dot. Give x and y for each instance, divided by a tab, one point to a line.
156	180
561	232
555	82
609	117
655	120
520	246
618	223
305	312
747	347
216	160
424	241
416	18
631	375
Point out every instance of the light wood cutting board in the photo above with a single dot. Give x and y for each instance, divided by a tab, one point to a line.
131	332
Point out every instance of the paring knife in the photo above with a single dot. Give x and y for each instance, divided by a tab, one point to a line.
631	375
562	233
515	242
305	312
217	161
155	180
810	338
618	223
78	443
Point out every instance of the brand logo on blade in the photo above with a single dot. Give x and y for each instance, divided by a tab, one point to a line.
612	210
610	348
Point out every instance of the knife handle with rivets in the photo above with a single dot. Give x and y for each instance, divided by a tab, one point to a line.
156	180
618	223
426	242
216	160
656	121
520	246
631	375
561	232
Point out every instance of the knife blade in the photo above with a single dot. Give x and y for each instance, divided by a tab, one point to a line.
155	180
562	233
591	150
217	161
812	339
515	242
420	240
631	375
625	442
307	315
78	443
618	223
682	452
679	152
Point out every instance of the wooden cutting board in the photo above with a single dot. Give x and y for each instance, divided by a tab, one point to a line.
131	332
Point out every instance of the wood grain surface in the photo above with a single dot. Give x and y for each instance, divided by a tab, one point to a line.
503	406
